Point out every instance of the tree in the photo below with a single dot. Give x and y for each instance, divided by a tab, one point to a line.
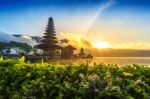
81	50
7	50
81	54
20	48
34	49
64	41
2	47
49	42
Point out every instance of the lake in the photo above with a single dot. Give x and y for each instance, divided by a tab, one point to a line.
108	60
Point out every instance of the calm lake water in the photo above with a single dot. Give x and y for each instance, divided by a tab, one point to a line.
108	60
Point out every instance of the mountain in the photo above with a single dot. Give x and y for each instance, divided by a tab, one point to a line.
34	40
6	37
118	52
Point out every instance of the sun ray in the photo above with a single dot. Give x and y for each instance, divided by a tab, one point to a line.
99	11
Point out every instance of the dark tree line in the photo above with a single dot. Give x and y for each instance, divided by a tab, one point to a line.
20	48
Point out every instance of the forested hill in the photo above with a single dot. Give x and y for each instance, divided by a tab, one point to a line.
119	52
31	40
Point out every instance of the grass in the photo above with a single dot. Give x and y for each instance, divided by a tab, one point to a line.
78	81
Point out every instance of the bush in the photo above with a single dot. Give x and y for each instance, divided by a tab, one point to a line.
47	81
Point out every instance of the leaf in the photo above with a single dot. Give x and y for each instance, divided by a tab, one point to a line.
22	59
1	58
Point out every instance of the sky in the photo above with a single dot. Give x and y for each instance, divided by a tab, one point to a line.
112	23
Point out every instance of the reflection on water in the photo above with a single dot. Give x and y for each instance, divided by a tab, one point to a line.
107	60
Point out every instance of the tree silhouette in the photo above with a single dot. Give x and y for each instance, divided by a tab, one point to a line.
81	50
64	41
2	47
49	42
20	48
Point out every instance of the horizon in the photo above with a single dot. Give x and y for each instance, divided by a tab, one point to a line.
104	23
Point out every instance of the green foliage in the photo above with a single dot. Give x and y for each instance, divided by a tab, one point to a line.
3	45
18	46
22	59
46	81
1	58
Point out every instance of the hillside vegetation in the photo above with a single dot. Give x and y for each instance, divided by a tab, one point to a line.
79	81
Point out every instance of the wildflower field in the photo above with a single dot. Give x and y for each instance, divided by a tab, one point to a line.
20	80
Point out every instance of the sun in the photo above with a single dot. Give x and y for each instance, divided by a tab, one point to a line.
101	44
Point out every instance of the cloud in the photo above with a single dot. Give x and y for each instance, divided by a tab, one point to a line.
79	41
6	37
76	40
26	39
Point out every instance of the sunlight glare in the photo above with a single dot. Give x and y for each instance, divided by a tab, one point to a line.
101	44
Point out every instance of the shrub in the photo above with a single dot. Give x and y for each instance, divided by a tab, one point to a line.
46	81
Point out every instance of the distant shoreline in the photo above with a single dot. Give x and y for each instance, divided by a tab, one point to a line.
120	56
